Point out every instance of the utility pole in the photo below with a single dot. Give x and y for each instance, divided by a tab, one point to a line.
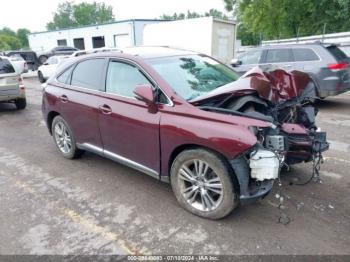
298	34
324	31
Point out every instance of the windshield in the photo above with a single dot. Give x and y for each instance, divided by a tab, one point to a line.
192	75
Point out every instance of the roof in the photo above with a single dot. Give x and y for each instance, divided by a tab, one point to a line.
282	45
156	51
94	25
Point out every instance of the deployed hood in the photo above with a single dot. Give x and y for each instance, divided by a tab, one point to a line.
275	86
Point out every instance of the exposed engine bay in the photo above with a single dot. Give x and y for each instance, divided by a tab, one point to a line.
287	101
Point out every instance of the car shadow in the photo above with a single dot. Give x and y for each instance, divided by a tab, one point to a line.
7	108
338	104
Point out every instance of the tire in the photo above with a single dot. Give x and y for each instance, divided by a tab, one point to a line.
217	173
41	77
21	103
65	141
42	59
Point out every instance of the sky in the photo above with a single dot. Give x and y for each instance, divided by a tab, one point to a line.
35	14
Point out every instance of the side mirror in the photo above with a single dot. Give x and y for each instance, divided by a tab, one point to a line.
46	63
236	62
144	93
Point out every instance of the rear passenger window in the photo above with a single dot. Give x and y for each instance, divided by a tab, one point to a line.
122	79
6	67
88	74
304	54
278	56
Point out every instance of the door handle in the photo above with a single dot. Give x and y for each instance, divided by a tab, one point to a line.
64	98
105	109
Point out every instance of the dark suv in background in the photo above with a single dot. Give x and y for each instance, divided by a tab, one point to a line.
59	50
327	65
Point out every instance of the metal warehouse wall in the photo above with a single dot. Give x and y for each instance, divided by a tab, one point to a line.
118	34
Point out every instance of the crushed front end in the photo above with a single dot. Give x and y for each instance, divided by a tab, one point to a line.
286	101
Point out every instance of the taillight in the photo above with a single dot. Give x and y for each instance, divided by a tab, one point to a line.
20	83
337	66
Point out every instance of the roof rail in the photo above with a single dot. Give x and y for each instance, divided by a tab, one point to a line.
96	50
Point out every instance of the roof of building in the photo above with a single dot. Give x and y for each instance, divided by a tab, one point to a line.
94	25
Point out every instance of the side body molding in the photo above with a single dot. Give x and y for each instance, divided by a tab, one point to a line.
119	159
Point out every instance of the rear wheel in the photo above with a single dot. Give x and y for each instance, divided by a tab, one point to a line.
64	139
41	77
202	184
21	103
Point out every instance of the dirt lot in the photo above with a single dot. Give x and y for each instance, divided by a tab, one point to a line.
50	205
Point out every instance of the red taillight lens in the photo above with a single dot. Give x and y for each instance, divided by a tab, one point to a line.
20	82
337	66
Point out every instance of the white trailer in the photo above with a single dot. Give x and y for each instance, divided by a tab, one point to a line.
207	35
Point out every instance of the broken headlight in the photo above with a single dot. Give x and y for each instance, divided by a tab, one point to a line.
269	138
275	143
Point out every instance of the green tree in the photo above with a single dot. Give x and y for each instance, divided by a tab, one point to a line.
217	14
9	42
22	35
7	31
69	15
229	4
274	19
180	16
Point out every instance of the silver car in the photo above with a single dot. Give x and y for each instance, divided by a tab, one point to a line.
327	65
11	86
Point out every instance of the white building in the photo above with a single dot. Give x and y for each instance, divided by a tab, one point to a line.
116	34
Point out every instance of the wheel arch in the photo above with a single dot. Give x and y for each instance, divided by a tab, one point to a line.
51	115
181	148
313	79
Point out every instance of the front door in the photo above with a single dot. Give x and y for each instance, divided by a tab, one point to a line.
248	61
129	129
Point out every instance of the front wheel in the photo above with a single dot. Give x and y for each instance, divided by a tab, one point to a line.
202	184
64	139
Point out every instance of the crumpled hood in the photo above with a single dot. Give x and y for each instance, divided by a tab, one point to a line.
275	86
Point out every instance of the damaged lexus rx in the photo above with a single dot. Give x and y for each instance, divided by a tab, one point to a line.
221	140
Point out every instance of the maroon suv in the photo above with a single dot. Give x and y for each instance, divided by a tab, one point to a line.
185	118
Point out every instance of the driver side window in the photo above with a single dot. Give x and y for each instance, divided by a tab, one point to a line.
251	57
122	78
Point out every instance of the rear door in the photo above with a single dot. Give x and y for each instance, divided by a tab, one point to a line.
306	60
78	100
9	84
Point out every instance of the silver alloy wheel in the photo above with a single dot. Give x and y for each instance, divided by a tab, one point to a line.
63	138
200	185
